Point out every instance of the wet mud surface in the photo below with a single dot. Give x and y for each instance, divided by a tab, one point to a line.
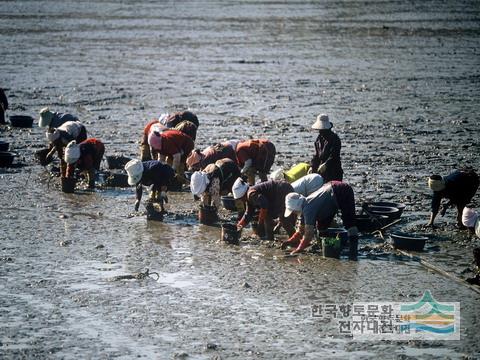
401	84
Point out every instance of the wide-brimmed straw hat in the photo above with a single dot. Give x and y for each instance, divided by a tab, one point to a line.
322	123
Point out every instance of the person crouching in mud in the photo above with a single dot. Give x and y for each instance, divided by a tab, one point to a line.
146	173
85	156
60	137
50	119
269	198
213	181
319	209
459	188
171	147
198	160
255	157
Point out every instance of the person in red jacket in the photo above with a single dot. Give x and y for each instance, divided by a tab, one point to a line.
85	156
159	125
145	154
255	157
198	160
172	147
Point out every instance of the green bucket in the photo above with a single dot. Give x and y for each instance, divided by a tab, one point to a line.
332	247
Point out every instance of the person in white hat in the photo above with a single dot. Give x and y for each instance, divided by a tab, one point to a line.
59	137
198	160
459	188
319	210
471	220
50	119
149	173
326	161
215	180
85	156
268	198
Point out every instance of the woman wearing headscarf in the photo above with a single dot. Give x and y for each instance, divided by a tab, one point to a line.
214	180
86	157
60	137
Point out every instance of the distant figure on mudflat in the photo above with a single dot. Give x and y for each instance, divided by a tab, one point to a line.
326	161
459	188
3	106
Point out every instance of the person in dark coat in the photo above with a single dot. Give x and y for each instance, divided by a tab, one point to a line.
3	106
459	188
326	161
146	173
269	198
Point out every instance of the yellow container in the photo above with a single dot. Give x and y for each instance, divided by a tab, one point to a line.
296	172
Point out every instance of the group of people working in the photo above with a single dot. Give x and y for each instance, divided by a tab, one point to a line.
310	192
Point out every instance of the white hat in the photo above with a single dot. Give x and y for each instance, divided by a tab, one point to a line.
239	188
72	152
52	136
436	183
46	117
293	202
277	175
469	217
199	182
322	123
134	169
